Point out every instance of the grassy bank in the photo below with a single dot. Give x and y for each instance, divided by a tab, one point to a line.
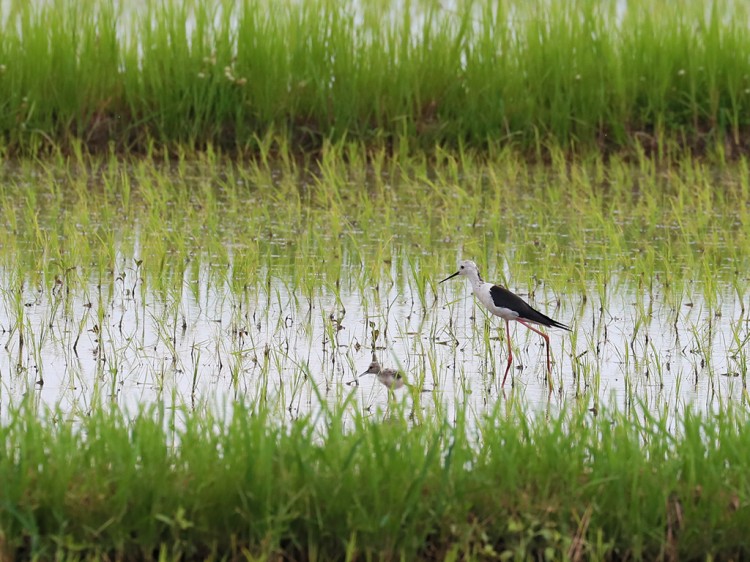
579	75
571	487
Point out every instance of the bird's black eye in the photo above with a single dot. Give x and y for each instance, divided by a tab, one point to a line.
462	267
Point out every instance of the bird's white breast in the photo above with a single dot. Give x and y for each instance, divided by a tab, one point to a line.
482	293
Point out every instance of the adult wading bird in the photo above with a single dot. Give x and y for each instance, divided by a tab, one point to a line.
508	306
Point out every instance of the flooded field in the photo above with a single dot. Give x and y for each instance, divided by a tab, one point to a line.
203	288
184	348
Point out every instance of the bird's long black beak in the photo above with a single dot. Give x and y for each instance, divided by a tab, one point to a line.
449	277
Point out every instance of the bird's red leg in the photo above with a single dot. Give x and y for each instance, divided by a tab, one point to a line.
546	339
510	352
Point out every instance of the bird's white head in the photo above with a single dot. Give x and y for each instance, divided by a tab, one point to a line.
466	268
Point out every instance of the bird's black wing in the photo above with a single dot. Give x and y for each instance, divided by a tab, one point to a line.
503	298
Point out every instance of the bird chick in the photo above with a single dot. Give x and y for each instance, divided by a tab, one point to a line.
391	378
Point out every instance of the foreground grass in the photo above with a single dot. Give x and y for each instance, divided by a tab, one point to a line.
574	486
400	75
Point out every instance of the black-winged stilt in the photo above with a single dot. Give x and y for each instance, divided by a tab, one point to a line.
501	302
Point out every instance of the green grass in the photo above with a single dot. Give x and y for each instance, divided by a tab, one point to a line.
532	75
162	483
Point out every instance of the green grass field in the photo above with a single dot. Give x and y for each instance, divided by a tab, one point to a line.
581	75
573	487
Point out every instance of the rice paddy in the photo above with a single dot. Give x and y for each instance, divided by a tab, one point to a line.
139	282
217	216
191	294
174	300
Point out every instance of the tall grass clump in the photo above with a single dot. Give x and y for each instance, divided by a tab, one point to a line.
162	482
403	76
